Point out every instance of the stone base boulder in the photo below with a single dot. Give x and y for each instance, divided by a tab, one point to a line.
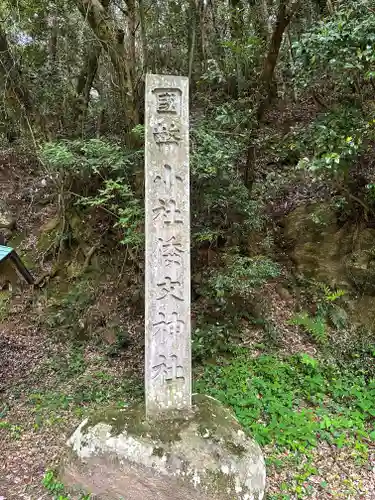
204	455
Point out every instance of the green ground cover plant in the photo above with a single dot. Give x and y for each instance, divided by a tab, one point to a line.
296	401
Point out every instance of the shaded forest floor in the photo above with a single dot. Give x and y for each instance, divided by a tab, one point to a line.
77	344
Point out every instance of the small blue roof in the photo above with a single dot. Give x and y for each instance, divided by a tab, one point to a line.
4	252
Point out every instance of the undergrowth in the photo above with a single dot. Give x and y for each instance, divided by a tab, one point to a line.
292	405
57	488
296	401
72	385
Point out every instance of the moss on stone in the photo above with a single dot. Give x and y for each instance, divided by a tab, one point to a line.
134	423
158	451
208	416
235	448
175	447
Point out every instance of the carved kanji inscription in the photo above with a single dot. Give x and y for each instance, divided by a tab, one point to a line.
171	252
167	211
164	328
167	132
168	178
167	238
170	288
168	101
168	369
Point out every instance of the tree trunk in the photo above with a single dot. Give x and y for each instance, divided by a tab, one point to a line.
236	19
266	78
217	48
195	40
53	24
85	83
236	30
16	92
132	28
142	19
200	13
267	89
111	38
192	33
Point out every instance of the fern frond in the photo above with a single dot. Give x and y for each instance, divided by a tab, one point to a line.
338	317
334	295
315	326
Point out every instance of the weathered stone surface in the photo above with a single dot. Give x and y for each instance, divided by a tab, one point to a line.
316	244
337	256
167	280
204	455
360	263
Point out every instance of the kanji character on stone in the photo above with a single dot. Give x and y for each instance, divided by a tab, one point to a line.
168	211
164	329
169	287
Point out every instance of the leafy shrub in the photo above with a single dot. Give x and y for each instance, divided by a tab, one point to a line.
91	155
315	326
15	431
96	173
117	199
354	349
51	483
294	401
338	52
64	312
327	310
221	204
242	275
210	340
331	143
57	488
340	47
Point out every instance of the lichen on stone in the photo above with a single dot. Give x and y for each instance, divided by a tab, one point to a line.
205	450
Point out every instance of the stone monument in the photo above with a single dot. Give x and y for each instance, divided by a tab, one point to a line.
167	281
174	446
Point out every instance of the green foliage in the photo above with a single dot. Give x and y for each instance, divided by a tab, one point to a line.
87	158
121	343
220	201
316	326
69	364
337	54
98	174
117	198
65	311
76	390
242	61
331	143
51	483
341	47
14	430
354	349
210	340
331	295
57	489
293	402
338	317
242	275
238	277
139	131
